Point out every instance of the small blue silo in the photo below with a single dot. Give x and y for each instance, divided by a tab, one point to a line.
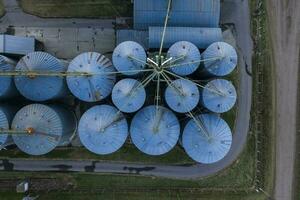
103	129
129	95
100	81
40	128
7	85
219	96
186	58
207	138
129	56
182	95
155	130
6	116
41	88
219	59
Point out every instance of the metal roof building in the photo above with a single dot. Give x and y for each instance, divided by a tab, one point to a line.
219	96
96	86
6	116
185	56
45	87
189	13
155	131
220	59
208	140
41	128
138	36
182	95
7	85
16	45
129	95
201	37
129	56
103	129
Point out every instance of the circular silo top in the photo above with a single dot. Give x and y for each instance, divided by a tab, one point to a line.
220	59
38	129
219	96
129	95
185	58
4	125
6	82
40	88
103	129
182	95
208	139
100	81
129	56
155	130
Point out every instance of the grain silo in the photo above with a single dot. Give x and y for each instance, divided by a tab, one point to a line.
207	138
155	130
6	116
219	96
38	87
182	95
185	58
129	95
98	82
7	89
103	129
219	59
40	128
129	58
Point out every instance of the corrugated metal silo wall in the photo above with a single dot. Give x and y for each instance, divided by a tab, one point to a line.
188	13
17	45
140	37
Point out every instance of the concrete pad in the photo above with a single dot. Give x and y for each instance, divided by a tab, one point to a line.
68	34
85	34
51	33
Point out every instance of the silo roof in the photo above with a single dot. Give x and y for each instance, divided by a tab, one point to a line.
219	96
155	130
129	95
226	59
99	84
4	125
208	139
7	88
186	55
103	129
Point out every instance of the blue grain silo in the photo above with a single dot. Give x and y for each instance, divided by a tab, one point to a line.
7	85
40	128
41	88
219	96
182	95
103	129
186	58
129	56
155	130
129	95
6	116
207	139
219	59
100	81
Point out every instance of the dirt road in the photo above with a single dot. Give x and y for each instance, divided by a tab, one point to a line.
284	17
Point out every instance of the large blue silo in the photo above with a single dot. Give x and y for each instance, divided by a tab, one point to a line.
40	128
7	85
129	58
182	95
129	95
155	130
219	96
219	59
6	116
41	88
100	81
207	138
103	129
186	58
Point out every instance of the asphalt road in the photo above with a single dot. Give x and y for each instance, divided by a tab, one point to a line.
284	17
234	12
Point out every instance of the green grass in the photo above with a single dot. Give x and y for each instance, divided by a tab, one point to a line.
78	8
2	11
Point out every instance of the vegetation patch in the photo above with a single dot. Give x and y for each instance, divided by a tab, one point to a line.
2	11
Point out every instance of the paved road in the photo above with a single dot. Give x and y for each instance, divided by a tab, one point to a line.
236	12
285	28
